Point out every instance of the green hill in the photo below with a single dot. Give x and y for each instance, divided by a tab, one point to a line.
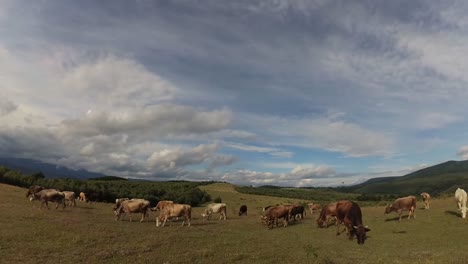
437	180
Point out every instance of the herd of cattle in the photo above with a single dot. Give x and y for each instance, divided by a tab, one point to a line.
343	212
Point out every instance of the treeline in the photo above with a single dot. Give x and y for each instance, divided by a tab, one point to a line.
107	190
318	195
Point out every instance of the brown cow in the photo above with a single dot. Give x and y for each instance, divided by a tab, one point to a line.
132	206
426	199
243	210
34	189
274	213
403	204
327	212
349	213
174	210
314	207
49	195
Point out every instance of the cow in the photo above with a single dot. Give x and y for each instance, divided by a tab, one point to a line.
460	198
70	198
49	195
267	207
243	210
218	208
314	207
426	199
274	213
34	189
132	206
349	213
82	197
174	210
160	205
403	204
327	212
297	210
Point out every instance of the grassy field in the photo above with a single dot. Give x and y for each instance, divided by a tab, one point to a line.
89	234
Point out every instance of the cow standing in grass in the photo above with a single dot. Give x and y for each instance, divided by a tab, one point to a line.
132	206
403	204
70	198
327	212
349	213
217	208
174	210
314	207
460	198
49	195
243	210
426	199
272	215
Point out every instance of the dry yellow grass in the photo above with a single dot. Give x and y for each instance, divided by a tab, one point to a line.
89	234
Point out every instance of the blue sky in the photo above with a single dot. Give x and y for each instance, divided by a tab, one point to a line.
292	93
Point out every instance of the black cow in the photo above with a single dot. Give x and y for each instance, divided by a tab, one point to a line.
243	210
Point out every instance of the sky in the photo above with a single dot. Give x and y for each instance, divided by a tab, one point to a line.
290	93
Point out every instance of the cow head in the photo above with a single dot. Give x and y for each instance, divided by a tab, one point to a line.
158	221
388	209
320	223
360	232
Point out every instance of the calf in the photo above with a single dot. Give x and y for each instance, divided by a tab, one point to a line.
174	210
243	210
70	198
460	198
219	208
49	195
426	199
403	204
349	213
314	207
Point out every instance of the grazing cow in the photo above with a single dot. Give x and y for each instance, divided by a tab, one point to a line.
70	198
243	210
314	207
426	199
174	210
327	212
460	198
349	213
49	195
274	213
217	208
297	210
82	197
161	204
132	206
34	189
403	204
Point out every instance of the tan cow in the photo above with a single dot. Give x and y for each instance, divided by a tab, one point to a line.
49	195
403	204
314	207
82	197
461	198
217	208
160	205
132	206
426	199
70	198
174	210
272	215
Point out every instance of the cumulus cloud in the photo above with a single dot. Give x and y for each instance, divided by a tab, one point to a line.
463	152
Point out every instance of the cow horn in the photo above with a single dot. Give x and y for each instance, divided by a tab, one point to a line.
355	227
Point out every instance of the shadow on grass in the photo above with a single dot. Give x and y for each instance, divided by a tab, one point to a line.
403	218
454	213
399	232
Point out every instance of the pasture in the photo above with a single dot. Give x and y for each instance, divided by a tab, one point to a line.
89	234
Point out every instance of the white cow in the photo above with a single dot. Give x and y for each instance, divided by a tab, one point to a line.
218	208
460	198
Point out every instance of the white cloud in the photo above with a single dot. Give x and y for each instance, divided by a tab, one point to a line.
463	152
